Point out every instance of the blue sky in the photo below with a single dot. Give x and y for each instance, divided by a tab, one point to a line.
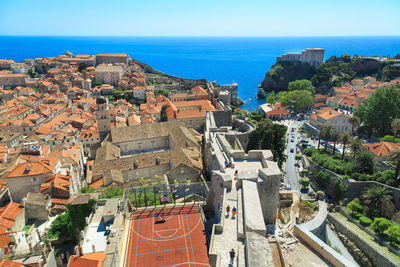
200	17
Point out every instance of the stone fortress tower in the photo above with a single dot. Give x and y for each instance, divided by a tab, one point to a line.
313	56
103	117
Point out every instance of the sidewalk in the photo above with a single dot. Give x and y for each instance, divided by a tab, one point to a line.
227	240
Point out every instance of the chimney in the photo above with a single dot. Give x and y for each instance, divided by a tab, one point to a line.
94	249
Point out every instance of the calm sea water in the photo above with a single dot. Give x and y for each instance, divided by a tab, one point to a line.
225	60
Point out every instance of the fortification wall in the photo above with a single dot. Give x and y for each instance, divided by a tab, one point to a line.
313	56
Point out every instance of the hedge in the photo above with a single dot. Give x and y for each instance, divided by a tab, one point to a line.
365	221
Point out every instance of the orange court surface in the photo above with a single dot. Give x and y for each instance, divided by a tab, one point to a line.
171	236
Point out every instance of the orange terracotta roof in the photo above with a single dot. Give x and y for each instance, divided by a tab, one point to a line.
382	149
8	263
278	112
44	165
87	260
8	215
97	184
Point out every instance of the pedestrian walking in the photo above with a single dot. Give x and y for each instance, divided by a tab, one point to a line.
233	212
228	209
232	255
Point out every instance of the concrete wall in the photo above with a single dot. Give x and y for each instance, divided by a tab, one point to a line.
268	190
258	251
136	146
323	249
253	215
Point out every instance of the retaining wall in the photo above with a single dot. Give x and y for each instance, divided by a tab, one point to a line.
377	258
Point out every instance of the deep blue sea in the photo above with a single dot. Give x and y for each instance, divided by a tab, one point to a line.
224	59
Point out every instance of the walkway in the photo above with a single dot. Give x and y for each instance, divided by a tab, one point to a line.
227	240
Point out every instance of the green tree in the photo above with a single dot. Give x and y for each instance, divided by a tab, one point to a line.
395	126
326	132
395	156
378	199
355	144
298	100
354	121
379	110
268	135
344	138
364	162
302	85
335	137
272	98
163	113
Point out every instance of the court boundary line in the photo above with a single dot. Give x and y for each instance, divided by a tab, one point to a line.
176	229
187	249
165	239
191	243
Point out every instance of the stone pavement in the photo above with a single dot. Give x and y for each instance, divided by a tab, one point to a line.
229	239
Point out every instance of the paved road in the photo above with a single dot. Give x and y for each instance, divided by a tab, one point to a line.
291	176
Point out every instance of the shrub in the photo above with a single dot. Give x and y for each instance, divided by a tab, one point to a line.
355	205
393	233
305	181
356	215
380	225
339	190
309	204
389	138
322	178
304	145
297	157
309	151
365	221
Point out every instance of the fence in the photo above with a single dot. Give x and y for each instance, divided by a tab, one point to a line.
160	195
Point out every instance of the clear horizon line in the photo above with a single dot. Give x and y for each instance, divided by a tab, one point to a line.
204	36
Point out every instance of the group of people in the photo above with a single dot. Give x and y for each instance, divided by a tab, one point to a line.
228	209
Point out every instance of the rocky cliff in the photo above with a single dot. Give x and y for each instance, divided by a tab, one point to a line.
281	73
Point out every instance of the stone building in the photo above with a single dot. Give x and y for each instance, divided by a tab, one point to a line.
148	150
103	117
313	56
112	58
108	74
233	90
13	79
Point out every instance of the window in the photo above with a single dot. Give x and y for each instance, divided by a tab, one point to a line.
182	170
34	179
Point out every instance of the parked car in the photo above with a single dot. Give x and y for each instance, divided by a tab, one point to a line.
291	150
292	140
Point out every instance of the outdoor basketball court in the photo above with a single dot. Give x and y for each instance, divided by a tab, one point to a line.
169	236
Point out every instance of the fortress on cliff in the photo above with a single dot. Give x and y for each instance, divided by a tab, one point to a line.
313	56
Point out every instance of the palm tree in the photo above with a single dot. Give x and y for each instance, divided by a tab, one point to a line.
356	144
335	137
379	198
326	132
395	126
395	156
354	122
344	138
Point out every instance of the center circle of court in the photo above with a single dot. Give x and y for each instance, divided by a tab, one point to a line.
168	238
